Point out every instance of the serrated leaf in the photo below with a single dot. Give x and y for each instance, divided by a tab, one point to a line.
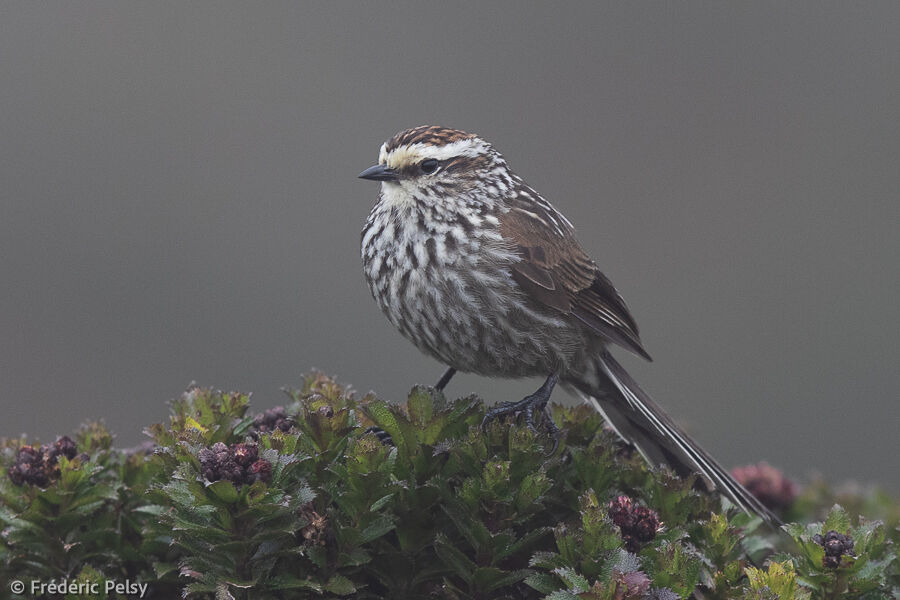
223	593
224	491
318	555
161	569
354	558
454	558
574	580
561	595
340	585
838	520
624	561
150	509
869	572
191	423
197	588
377	528
488	579
289	582
795	530
868	535
420	405
473	530
381	413
243	426
542	582
547	560
378	504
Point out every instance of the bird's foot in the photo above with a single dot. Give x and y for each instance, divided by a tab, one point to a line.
536	402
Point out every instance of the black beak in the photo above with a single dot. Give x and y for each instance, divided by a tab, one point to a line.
379	173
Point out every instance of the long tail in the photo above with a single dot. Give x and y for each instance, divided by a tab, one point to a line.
640	421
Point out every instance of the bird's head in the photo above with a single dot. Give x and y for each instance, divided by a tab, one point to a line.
432	164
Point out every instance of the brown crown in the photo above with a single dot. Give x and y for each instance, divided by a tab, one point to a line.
432	135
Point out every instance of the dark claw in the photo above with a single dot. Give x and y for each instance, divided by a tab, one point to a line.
537	400
552	430
488	417
383	436
504	408
554	447
529	417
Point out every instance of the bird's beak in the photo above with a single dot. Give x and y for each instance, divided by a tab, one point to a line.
379	173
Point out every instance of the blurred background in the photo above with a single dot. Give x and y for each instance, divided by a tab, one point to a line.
179	202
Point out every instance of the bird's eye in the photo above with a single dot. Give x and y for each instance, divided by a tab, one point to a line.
429	166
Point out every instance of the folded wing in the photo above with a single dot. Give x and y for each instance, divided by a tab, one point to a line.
556	271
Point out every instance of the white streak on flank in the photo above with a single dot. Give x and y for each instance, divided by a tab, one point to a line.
532	215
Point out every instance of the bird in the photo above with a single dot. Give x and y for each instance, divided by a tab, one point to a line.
479	271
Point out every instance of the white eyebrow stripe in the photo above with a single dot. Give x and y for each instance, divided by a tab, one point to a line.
413	153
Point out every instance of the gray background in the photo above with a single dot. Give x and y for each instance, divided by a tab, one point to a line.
180	202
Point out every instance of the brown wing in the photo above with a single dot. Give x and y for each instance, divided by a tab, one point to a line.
556	271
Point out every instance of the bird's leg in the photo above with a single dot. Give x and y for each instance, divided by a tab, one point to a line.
528	405
445	379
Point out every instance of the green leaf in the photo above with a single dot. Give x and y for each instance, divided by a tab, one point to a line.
795	530
381	413
575	582
224	491
674	566
547	560
377	528
778	578
838	520
161	569
472	529
562	595
542	582
241	428
223	593
354	558
454	558
488	579
420	405
378	504
191	423
150	509
340	585
469	510
289	582
868	536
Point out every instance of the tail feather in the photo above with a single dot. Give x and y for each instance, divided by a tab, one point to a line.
640	421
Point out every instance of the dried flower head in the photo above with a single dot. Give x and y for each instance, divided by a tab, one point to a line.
768	484
836	545
39	466
238	464
638	524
